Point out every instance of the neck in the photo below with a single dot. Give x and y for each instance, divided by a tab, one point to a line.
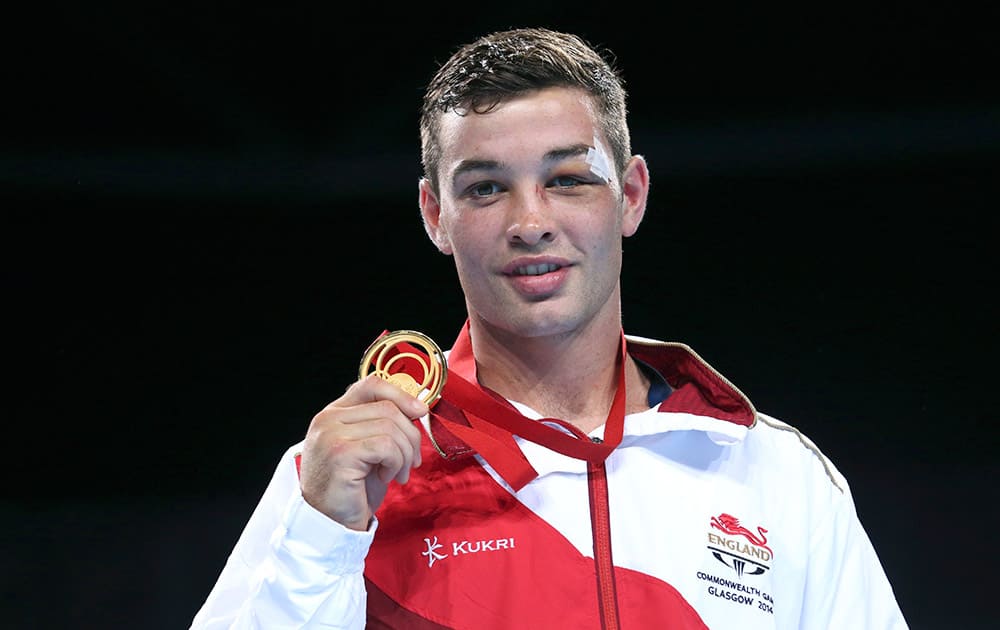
572	376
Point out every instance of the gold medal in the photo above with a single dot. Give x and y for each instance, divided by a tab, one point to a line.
390	352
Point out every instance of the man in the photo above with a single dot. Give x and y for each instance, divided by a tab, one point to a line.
571	476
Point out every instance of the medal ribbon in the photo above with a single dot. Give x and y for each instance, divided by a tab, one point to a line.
486	422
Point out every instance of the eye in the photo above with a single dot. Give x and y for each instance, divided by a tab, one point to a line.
483	189
564	181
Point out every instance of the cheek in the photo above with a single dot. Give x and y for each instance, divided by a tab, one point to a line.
471	232
467	249
603	233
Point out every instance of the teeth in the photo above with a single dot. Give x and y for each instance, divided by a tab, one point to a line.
536	270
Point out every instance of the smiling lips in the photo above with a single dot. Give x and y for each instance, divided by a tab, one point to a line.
537	279
535	270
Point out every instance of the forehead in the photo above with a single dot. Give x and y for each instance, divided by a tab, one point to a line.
519	128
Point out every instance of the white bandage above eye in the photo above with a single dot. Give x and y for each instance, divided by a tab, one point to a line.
597	158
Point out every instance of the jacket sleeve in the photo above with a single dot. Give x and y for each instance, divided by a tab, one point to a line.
292	567
846	586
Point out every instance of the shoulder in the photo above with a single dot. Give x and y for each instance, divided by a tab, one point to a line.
792	451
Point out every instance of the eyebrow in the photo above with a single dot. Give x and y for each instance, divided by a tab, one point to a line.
573	150
466	166
554	155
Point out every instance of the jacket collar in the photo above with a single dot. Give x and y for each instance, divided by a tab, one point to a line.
702	399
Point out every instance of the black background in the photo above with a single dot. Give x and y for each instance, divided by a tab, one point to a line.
209	211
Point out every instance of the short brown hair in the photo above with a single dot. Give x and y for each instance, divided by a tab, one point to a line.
481	75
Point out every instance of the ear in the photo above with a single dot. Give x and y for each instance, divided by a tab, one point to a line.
430	210
635	190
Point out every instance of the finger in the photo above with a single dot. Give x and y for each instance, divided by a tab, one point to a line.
368	418
367	425
385	457
372	388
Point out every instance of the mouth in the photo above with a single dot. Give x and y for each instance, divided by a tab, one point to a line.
535	270
538	279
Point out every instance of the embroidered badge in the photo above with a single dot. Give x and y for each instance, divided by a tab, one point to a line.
745	553
740	549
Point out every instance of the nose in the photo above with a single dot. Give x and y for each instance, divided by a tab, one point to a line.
531	220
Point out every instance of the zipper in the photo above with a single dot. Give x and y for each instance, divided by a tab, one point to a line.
600	519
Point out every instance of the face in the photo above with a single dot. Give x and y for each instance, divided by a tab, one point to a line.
534	214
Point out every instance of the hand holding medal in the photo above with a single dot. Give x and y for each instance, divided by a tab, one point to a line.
367	437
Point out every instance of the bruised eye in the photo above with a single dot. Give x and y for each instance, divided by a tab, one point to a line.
564	181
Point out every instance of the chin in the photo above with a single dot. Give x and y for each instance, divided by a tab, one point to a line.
535	325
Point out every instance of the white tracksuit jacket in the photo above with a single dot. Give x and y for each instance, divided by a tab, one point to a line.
738	522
